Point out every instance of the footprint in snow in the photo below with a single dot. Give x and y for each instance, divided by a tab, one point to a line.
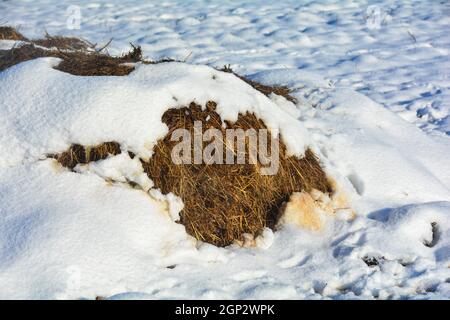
249	275
294	261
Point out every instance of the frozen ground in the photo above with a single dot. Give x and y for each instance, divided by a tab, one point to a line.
71	235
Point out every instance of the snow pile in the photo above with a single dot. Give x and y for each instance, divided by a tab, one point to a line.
87	233
82	234
60	107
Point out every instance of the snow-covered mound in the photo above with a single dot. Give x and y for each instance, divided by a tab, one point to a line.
78	235
395	52
62	109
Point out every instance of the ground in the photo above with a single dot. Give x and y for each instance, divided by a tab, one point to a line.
373	90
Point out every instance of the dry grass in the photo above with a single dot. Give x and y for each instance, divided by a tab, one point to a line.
222	202
8	58
67	43
9	33
63	43
267	90
81	63
98	64
78	154
78	56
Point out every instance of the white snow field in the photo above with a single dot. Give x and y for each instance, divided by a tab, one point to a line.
373	90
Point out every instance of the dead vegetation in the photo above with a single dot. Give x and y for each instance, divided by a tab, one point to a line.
79	57
265	89
63	43
9	33
78	154
80	63
82	58
223	202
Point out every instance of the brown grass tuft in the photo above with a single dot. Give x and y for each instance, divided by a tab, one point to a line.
78	154
98	64
79	56
9	33
81	63
222	202
266	90
63	43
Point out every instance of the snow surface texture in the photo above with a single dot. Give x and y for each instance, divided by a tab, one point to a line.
396	52
85	234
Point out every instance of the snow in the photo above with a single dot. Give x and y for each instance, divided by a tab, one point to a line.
397	57
373	103
9	44
61	232
60	107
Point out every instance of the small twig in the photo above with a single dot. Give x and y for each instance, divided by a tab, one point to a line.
412	36
106	45
47	35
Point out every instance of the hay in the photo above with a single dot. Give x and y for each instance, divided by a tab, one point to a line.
82	58
81	63
9	33
78	56
98	64
223	202
68	43
63	43
78	154
266	90
9	58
